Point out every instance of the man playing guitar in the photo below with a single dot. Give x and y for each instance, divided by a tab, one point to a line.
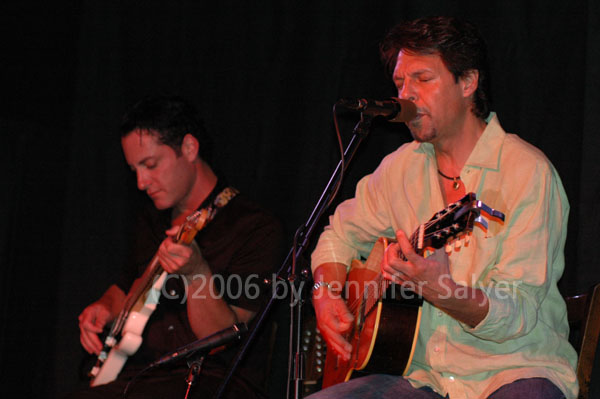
206	288
493	323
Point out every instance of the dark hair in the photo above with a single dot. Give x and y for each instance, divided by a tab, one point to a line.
170	118
459	44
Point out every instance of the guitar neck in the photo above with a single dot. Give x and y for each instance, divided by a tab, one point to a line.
144	283
141	286
383	284
185	236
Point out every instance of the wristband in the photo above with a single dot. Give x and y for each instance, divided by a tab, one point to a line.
320	284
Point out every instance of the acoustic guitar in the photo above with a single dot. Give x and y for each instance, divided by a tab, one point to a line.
386	316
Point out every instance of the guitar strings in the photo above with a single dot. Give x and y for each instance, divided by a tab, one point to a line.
382	284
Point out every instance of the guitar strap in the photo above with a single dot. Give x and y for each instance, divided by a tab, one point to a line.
221	199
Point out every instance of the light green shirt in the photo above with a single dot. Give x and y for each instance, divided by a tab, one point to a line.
517	263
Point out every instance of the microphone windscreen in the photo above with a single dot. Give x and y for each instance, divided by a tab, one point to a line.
408	110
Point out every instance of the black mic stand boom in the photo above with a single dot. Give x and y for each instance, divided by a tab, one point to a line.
301	240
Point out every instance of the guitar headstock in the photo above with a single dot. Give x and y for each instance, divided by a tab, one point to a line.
193	224
453	222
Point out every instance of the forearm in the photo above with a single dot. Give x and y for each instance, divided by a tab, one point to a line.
113	300
207	311
334	274
466	304
332	313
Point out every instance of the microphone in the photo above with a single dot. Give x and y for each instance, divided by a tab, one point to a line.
393	109
212	341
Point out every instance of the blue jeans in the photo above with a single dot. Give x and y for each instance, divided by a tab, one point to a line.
383	386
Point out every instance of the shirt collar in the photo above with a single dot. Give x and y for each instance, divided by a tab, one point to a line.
486	153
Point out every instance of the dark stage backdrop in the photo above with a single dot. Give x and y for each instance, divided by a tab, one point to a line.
265	75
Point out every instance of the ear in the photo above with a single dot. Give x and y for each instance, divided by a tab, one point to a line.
470	82
190	147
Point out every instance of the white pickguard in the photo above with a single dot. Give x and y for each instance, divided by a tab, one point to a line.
131	335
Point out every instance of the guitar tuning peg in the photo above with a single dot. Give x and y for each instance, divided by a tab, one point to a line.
458	243
448	248
481	220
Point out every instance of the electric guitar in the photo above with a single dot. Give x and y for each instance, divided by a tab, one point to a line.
383	337
140	303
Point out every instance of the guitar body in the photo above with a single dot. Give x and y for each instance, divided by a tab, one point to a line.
383	332
386	318
131	335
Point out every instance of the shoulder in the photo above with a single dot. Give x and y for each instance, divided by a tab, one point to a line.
523	157
240	229
243	213
406	152
528	175
407	155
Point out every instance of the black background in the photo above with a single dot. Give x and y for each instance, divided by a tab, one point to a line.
265	75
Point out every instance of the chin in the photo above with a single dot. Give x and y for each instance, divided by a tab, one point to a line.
423	136
419	137
161	205
421	132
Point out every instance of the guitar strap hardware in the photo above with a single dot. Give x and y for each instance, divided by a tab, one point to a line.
221	200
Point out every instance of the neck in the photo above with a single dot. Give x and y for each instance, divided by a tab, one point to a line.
204	182
453	152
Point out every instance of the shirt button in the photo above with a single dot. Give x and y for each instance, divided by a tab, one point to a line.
436	349
451	378
440	313
171	328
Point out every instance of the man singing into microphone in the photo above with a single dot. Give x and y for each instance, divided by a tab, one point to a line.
493	323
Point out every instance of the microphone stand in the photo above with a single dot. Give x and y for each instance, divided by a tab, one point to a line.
203	346
195	367
360	131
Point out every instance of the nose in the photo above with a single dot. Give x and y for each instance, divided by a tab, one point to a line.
142	180
407	92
